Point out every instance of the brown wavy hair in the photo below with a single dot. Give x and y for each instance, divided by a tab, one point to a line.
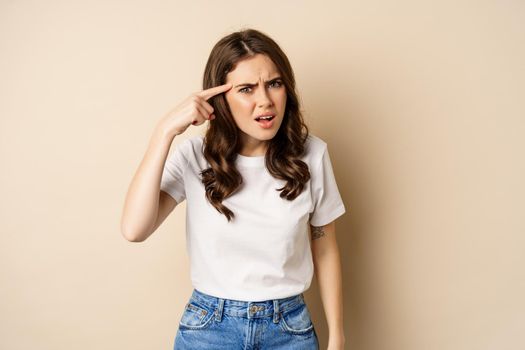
222	141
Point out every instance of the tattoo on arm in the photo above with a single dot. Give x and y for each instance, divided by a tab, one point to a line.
317	232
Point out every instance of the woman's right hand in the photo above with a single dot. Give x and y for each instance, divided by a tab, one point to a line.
194	110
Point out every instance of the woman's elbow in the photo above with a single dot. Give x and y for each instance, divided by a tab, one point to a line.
131	235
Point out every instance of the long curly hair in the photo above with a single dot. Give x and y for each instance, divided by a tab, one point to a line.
222	141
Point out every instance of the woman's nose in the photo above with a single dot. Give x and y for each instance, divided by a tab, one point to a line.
263	99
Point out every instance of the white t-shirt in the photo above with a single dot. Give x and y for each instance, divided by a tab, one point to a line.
264	252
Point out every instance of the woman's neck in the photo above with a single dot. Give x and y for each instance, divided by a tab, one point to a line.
254	148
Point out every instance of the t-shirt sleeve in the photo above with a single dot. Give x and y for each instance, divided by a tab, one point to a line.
172	181
328	204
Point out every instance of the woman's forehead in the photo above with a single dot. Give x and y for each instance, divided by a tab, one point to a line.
253	69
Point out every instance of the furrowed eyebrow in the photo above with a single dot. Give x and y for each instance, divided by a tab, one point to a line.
250	85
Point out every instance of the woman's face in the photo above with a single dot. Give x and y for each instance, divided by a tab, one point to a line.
257	90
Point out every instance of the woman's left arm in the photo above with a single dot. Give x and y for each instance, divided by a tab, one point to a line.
327	265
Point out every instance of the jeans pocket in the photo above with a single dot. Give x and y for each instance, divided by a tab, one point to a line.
297	321
196	316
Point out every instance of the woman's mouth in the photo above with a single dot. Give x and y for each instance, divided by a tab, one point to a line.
265	122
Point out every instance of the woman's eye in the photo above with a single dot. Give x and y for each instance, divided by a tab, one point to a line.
274	84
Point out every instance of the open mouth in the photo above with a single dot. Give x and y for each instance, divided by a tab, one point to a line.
265	118
265	122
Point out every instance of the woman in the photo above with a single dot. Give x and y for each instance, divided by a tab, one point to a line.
254	184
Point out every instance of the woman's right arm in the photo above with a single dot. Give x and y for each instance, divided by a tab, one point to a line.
146	206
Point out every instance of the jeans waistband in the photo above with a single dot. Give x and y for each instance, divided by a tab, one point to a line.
248	309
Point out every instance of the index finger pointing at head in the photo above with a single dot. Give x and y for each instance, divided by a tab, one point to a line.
206	94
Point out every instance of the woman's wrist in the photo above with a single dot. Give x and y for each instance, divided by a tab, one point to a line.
161	132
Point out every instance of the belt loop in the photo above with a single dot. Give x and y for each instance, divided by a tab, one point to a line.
275	311
218	311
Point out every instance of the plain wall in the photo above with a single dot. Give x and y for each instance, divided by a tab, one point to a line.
420	102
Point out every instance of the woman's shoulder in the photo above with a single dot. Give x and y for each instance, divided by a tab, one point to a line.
191	142
314	146
314	149
190	147
315	142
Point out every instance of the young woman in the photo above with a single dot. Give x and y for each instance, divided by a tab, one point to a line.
254	184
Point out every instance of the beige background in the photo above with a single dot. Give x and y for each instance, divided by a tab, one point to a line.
421	103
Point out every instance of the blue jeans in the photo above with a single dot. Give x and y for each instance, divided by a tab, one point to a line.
213	323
